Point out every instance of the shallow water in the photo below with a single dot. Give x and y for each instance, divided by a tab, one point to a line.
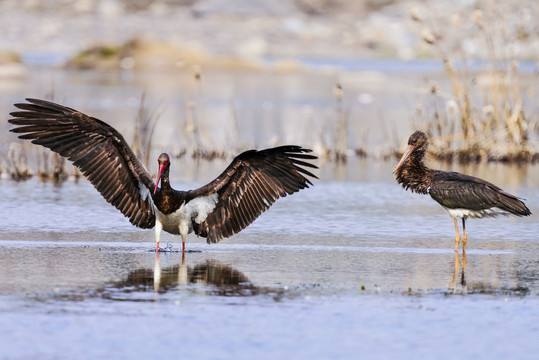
353	267
350	268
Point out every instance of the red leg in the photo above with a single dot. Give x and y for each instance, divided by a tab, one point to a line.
183	242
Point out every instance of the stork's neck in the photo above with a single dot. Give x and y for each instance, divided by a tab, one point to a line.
414	175
165	182
167	200
165	189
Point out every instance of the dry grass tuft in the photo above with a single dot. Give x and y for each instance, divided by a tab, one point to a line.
51	166
18	164
483	116
342	125
144	129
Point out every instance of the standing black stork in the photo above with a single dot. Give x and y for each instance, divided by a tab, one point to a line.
248	186
463	196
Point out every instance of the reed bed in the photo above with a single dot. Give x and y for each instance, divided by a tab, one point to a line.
198	144
17	163
482	115
471	113
51	166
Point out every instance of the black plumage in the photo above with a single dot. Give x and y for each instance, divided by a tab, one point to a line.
453	190
461	195
248	186
98	150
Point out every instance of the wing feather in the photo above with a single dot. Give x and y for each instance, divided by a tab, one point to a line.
250	185
454	190
97	149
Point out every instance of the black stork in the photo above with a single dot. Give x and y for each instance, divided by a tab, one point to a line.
248	186
463	196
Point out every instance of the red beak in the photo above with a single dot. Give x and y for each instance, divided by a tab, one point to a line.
404	157
161	169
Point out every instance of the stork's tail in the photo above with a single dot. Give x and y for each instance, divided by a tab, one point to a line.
512	204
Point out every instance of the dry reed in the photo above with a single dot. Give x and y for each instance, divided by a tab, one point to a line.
342	125
51	166
194	129
18	164
463	125
144	129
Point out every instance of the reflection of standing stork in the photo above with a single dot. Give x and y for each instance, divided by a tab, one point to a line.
456	271
156	273
463	196
248	186
182	278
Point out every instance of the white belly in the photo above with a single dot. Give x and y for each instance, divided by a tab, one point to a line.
181	221
467	213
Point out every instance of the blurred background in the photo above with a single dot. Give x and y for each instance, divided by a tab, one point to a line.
206	79
353	265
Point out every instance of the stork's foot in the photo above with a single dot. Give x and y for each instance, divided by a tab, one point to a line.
160	250
170	249
167	248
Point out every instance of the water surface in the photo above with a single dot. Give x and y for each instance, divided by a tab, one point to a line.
353	267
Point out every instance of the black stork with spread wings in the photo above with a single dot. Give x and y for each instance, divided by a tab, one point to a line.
248	186
463	196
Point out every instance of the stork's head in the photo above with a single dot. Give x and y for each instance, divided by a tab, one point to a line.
164	165
417	145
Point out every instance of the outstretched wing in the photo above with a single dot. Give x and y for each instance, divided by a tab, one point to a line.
454	190
250	185
98	150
